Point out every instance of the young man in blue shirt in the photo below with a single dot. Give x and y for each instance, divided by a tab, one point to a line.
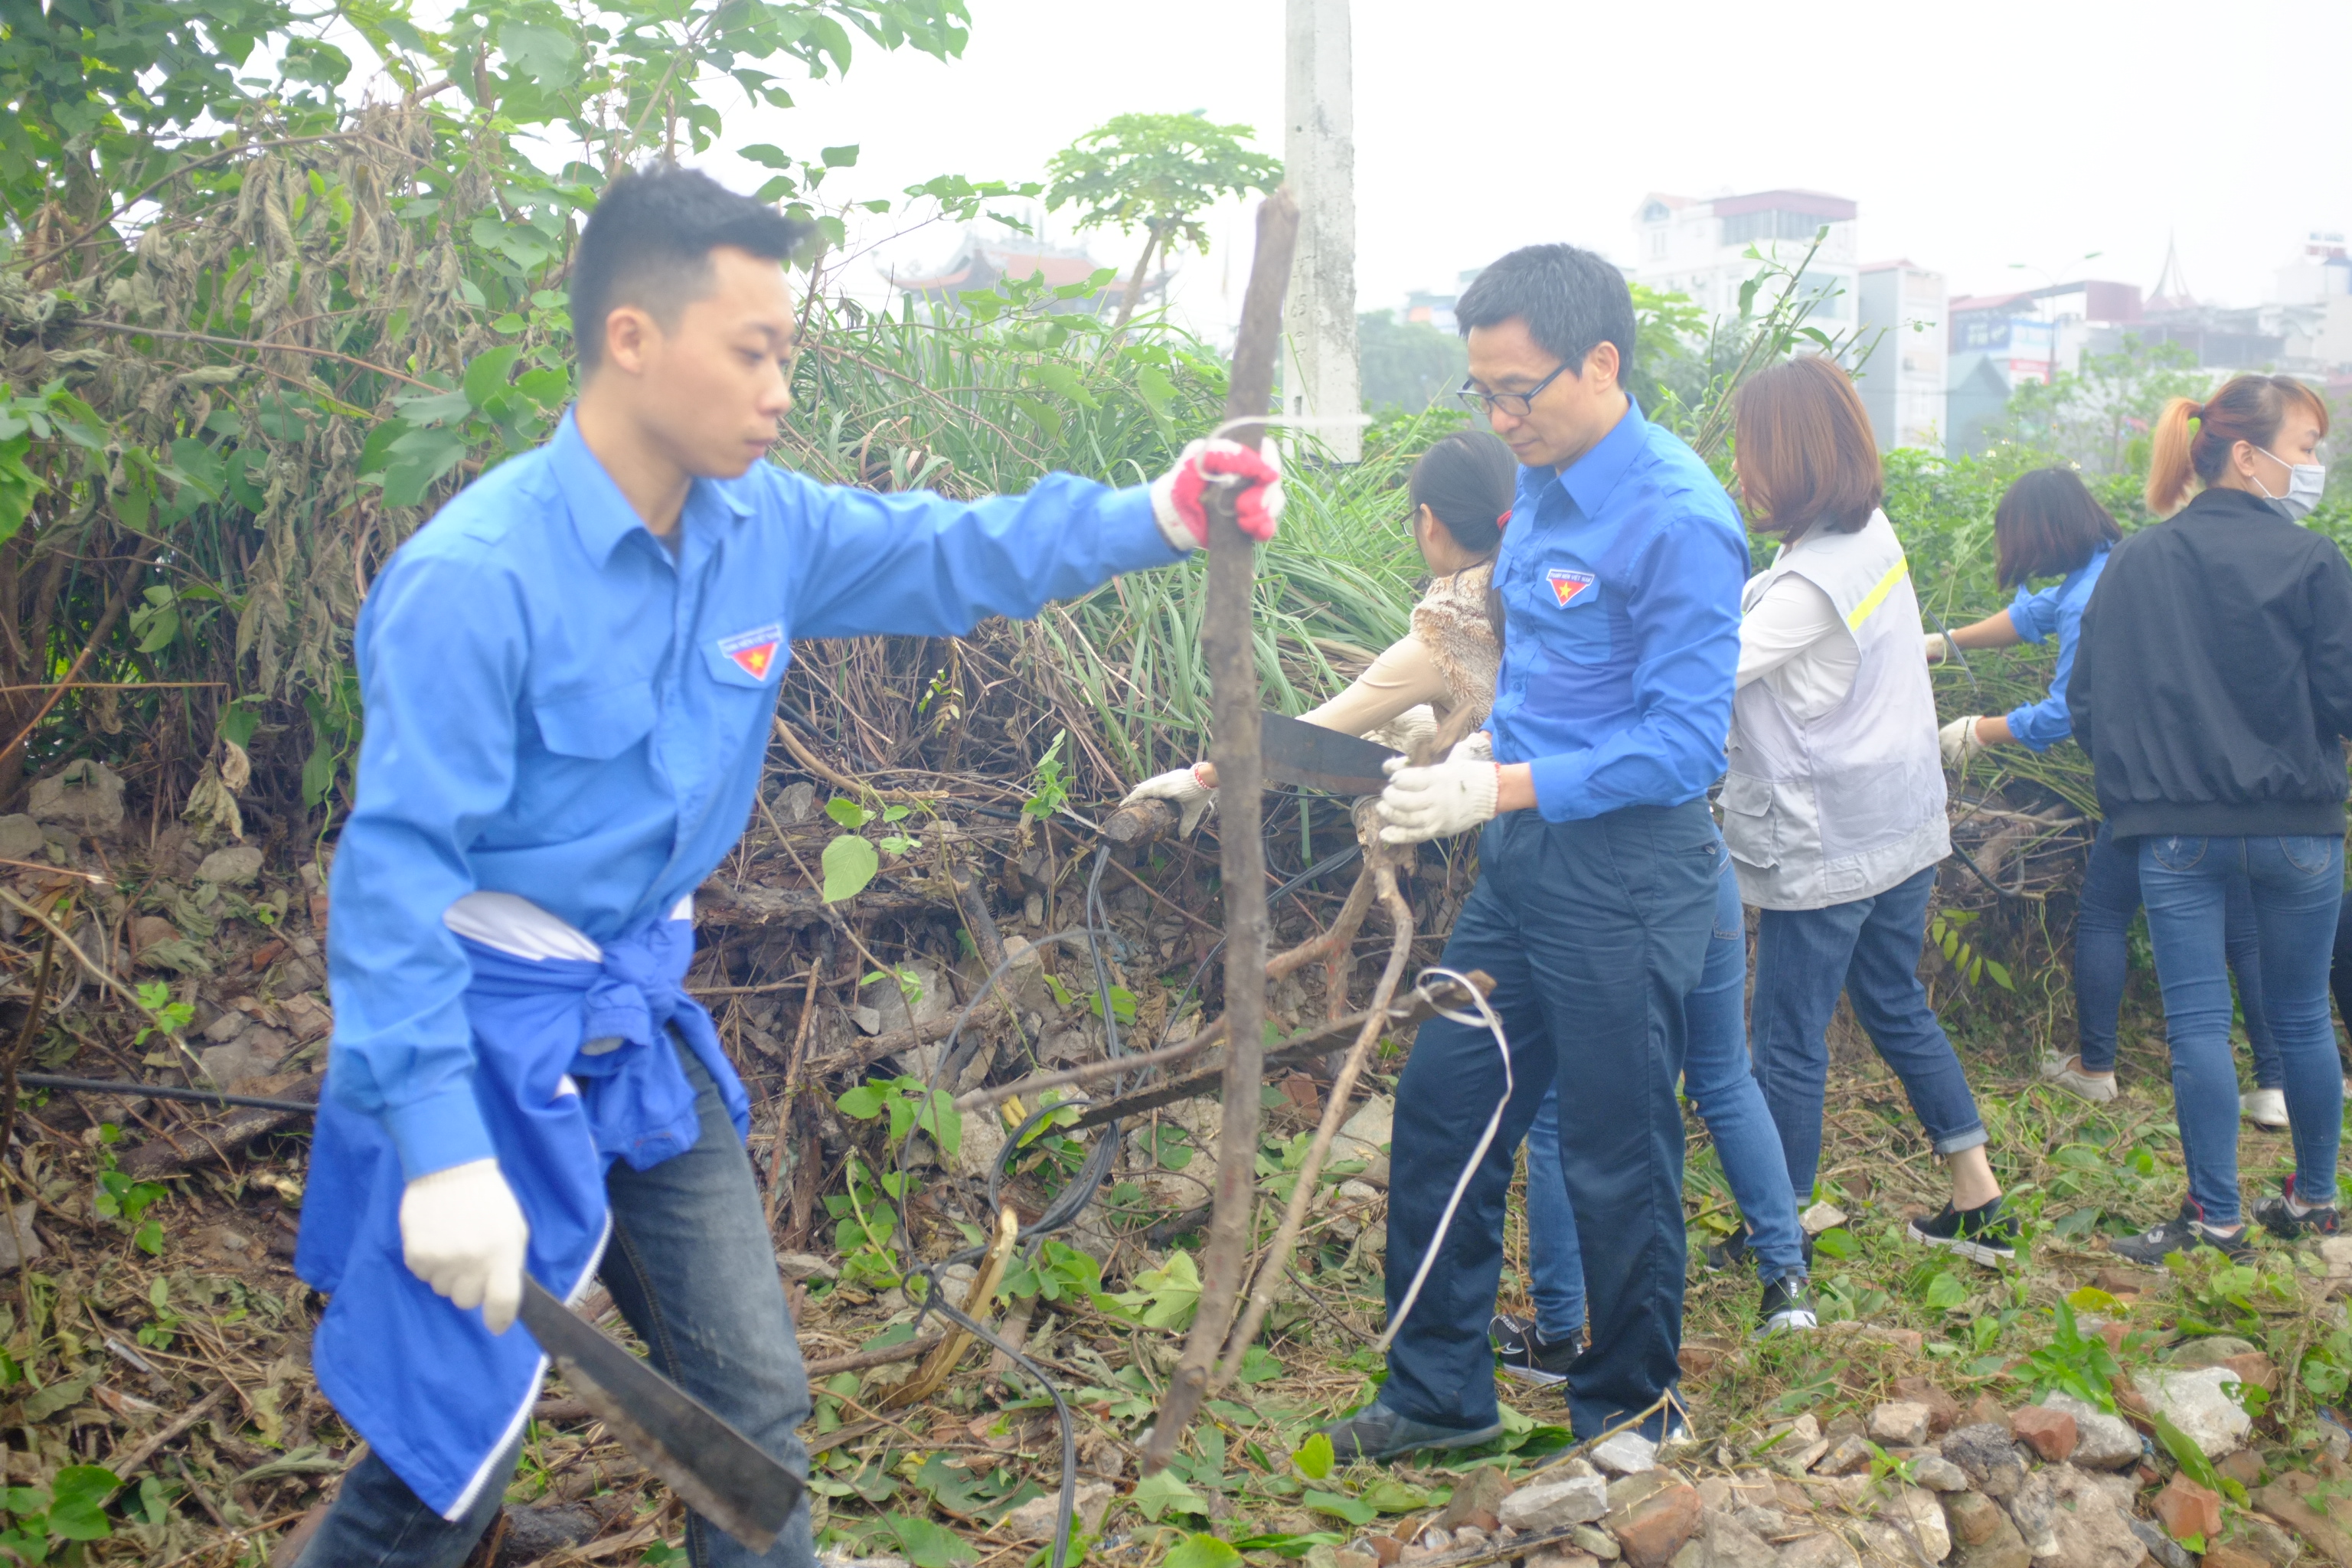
569	678
1619	580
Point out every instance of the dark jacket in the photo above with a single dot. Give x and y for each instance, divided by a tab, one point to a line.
2214	676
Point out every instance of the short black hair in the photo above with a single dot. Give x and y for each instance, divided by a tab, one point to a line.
648	243
2047	524
1467	480
1572	300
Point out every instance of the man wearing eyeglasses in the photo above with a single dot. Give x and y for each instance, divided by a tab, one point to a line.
1619	580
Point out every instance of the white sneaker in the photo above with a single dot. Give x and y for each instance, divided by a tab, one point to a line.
2067	1073
2264	1107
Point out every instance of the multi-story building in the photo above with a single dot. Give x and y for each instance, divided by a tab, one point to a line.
1700	247
1900	309
2000	341
2310	306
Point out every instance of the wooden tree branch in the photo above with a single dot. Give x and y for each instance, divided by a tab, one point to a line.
1232	656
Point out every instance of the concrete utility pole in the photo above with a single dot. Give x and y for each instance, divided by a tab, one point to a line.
1320	374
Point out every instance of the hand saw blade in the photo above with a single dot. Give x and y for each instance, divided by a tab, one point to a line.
713	1469
1298	753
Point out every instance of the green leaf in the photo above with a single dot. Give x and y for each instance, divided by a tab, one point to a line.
1201	1551
839	157
1314	1457
2187	1454
1944	1292
847	813
849	864
487	376
865	1102
1156	1495
1259	1365
59	1396
1337	1506
2091	1299
928	1545
80	1494
1395	1497
1835	1242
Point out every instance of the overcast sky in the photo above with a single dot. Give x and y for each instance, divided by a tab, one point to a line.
1973	136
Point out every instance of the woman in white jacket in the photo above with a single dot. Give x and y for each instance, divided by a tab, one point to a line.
1834	804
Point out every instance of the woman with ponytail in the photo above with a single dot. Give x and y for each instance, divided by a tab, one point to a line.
2212	687
2050	525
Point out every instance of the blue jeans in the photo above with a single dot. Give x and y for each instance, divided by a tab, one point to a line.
1722	1088
2109	899
1869	949
692	1268
1595	932
2296	885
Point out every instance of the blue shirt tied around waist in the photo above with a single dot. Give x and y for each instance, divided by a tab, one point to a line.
1620	581
2038	614
574	1068
560	707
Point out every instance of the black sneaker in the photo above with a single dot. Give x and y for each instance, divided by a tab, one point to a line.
1377	1432
1986	1235
2274	1216
1528	1355
2182	1233
1787	1307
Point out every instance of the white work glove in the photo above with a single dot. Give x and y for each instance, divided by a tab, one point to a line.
1179	497
1959	742
462	1233
1448	797
1939	647
1181	788
1475	747
1409	728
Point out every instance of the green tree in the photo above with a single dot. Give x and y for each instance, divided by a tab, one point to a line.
1159	173
2100	415
260	316
1407	366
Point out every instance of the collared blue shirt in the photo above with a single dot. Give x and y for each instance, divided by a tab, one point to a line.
2056	610
1620	581
559	708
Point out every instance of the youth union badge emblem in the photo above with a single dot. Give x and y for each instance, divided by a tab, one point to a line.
1567	584
753	652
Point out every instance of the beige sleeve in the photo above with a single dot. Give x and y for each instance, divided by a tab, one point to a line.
1402	676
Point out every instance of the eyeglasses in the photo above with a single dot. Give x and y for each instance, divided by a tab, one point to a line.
1515	404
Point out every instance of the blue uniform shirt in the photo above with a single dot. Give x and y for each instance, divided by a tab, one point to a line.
1620	583
559	709
2057	609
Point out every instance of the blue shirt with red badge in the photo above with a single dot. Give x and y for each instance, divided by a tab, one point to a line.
559	706
1620	581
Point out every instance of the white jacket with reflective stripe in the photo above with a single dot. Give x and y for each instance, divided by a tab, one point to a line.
1826	810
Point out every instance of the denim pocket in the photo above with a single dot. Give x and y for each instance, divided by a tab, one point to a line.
2308	852
2175	853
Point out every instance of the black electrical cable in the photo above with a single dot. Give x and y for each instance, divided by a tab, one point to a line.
160	1091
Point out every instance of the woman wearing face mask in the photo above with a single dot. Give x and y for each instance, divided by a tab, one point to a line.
2212	687
2048	525
1833	805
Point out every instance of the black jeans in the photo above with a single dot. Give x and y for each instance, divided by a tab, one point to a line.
1595	934
692	1268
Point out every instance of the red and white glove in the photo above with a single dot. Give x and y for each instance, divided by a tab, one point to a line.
1181	788
1179	497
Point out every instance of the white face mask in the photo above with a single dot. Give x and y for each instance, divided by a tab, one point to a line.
2303	483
